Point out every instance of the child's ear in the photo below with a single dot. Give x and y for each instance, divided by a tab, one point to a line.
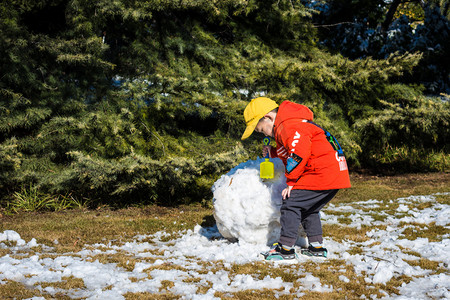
270	117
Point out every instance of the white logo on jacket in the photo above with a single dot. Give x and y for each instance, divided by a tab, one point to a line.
295	141
342	162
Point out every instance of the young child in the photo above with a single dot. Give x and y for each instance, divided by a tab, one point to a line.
315	169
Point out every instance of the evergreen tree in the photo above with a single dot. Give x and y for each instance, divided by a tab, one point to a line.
390	27
142	100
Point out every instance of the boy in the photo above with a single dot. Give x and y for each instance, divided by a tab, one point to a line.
315	169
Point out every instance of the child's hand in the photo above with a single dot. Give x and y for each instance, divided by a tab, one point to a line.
286	193
266	150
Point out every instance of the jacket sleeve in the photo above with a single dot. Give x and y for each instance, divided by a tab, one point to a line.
298	144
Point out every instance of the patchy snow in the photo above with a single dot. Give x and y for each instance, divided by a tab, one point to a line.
385	254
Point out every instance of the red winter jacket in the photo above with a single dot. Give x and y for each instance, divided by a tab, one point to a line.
311	161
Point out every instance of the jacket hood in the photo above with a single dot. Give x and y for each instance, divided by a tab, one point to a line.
290	110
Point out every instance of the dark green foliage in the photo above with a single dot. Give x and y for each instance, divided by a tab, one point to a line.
10	161
136	177
411	130
375	28
129	102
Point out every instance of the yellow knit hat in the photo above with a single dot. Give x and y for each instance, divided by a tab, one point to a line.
254	111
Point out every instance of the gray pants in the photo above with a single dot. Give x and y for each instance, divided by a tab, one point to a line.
303	207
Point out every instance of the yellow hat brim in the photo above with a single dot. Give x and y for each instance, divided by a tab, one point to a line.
249	130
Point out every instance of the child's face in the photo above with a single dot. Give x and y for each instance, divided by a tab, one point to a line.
265	126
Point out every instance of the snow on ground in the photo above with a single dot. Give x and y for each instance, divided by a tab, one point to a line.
384	256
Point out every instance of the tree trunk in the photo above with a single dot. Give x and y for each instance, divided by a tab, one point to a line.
390	14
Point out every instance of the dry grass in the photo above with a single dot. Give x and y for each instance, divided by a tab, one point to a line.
73	229
123	260
17	290
432	232
392	187
144	296
66	283
70	231
341	233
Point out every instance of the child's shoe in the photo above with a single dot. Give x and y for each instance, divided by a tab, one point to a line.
279	253
316	250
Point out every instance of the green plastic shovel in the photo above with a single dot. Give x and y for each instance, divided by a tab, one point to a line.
266	168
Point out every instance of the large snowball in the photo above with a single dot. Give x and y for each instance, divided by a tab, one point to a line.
246	207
